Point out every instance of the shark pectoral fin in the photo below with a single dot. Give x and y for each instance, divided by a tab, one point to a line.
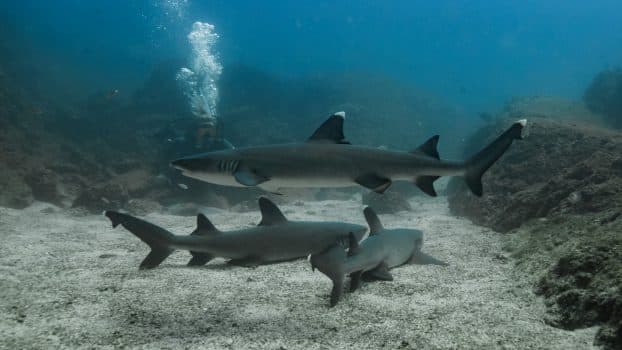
337	291
249	178
199	258
251	261
374	182
426	184
155	257
355	280
422	258
381	272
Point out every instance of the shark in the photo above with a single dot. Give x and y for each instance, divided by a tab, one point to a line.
274	239
372	258
327	159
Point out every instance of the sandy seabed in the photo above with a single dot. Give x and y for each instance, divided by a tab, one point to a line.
73	282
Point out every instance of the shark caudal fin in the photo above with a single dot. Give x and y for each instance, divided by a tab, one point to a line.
331	263
157	238
478	164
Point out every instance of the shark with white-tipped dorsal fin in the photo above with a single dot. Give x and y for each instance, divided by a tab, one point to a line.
371	260
327	159
274	239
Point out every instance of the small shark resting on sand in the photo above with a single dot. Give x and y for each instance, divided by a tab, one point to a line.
274	239
328	160
381	251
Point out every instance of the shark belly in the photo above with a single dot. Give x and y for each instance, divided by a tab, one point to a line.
305	182
214	178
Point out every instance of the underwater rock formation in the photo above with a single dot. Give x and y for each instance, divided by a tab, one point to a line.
564	168
559	195
576	264
604	96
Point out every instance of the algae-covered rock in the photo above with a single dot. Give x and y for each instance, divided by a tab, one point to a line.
560	167
575	262
559	194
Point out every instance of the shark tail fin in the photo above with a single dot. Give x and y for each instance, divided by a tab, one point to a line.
331	263
157	238
484	159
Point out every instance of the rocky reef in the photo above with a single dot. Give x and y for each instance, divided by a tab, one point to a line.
604	96
558	195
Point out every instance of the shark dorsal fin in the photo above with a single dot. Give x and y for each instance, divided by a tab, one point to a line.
331	131
204	226
375	226
270	213
353	246
428	148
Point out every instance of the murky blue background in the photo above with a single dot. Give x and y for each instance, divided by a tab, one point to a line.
475	54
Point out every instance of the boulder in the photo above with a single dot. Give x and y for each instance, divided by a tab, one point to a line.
604	96
14	191
560	168
559	195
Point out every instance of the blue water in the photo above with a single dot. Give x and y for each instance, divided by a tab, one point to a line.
473	54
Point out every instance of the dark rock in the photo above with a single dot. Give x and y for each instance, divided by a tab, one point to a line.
604	96
559	168
14	192
43	183
582	264
565	174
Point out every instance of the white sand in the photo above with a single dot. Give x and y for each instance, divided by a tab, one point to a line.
73	282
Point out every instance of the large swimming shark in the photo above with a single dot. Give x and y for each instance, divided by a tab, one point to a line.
371	260
327	159
274	239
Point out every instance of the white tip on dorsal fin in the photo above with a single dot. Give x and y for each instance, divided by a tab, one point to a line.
375	226
522	122
331	131
270	213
